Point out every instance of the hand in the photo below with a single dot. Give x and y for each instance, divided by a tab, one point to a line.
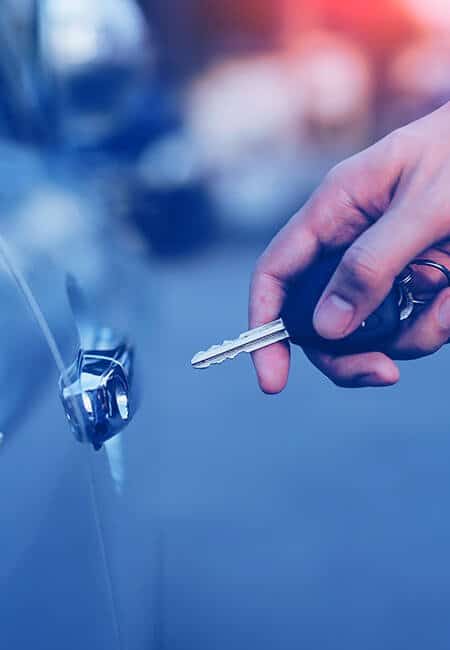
386	206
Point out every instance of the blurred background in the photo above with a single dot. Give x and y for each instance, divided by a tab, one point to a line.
152	149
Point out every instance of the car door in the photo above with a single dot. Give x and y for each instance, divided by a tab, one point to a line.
79	544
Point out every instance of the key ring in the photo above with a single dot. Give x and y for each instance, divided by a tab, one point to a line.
434	265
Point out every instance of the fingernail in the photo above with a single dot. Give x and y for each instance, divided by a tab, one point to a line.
333	317
444	314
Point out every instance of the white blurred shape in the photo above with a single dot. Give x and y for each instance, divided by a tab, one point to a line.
80	32
252	194
59	221
333	77
434	13
237	105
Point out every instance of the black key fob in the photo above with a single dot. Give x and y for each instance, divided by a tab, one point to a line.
303	294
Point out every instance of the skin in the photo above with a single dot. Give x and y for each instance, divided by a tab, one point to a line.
386	206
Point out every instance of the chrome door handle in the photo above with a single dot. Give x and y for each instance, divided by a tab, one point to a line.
99	391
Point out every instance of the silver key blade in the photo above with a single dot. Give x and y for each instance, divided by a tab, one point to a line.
254	339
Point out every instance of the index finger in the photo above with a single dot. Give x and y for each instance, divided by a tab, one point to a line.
292	250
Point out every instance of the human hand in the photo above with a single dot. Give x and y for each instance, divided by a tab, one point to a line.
386	206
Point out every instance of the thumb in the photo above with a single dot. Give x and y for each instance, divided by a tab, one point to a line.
368	269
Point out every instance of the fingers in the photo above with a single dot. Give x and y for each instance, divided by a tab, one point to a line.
266	299
423	336
368	270
427	332
294	248
352	196
338	212
356	371
285	255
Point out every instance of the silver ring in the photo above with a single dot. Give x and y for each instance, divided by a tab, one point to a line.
434	265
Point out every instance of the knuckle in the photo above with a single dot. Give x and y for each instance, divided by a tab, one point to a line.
396	141
254	280
257	281
360	268
260	271
444	110
403	141
423	348
335	175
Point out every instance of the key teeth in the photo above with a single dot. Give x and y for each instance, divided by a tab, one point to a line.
212	349
246	342
199	361
219	347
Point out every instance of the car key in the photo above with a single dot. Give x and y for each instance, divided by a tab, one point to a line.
296	322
